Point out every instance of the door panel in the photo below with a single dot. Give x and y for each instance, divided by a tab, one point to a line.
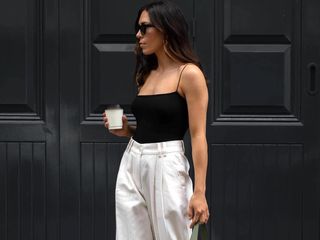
260	63
21	85
249	18
23	190
257	190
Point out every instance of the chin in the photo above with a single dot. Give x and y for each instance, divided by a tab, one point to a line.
146	52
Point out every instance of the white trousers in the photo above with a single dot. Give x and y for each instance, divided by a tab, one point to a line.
153	190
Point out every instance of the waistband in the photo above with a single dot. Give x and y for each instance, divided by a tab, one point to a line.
156	148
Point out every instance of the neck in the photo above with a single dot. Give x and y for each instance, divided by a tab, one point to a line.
166	63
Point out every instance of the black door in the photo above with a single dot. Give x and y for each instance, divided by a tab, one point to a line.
29	120
63	62
263	60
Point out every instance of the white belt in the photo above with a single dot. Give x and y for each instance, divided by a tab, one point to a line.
155	148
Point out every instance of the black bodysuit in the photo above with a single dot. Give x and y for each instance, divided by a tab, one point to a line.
160	117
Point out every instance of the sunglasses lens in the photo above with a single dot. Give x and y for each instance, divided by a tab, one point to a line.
143	29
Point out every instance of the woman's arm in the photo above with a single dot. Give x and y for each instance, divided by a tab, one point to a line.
193	85
131	130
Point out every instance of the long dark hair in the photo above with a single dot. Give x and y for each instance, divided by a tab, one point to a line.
166	16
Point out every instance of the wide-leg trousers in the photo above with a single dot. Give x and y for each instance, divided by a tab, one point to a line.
153	191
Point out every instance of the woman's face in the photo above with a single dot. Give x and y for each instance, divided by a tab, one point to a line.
152	40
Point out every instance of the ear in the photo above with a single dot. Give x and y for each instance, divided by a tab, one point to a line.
165	42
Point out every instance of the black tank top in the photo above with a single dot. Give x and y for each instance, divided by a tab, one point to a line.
160	117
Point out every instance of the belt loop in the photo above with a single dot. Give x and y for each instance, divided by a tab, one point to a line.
159	148
182	143
141	149
163	147
130	145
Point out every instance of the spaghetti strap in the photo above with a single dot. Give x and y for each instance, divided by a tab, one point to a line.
180	76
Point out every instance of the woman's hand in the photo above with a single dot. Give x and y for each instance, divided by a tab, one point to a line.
198	209
124	132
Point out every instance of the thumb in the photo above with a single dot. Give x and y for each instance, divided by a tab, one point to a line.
124	118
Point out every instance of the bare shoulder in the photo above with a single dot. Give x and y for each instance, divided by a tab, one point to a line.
192	79
192	71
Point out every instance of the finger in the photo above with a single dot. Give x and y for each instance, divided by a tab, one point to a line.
203	218
124	119
195	219
207	216
106	124
193	222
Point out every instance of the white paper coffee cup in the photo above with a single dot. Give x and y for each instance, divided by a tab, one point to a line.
114	115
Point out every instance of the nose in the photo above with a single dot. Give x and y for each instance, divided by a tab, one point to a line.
138	35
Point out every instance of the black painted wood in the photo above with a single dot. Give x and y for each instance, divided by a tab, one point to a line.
23	190
238	47
29	120
257	191
65	61
13	192
98	178
3	191
311	195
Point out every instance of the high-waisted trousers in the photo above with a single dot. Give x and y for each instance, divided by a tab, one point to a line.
153	191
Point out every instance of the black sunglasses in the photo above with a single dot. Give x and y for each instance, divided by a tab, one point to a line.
143	27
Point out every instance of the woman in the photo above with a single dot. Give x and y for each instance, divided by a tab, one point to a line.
154	194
